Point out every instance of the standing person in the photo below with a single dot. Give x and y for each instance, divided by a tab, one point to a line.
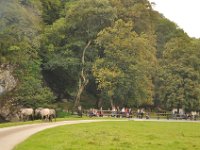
113	113
123	112
130	113
138	113
142	113
147	115
101	112
91	112
127	112
118	112
80	111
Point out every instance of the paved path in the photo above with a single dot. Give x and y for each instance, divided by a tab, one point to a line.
11	136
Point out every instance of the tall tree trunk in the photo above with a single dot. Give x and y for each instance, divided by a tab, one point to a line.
99	103
111	102
83	81
178	107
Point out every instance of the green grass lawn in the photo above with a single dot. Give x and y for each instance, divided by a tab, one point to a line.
129	135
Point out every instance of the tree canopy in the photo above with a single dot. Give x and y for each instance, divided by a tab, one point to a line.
97	53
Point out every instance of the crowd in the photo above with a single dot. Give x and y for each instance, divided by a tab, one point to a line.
124	112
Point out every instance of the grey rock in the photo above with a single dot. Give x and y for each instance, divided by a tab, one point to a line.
7	80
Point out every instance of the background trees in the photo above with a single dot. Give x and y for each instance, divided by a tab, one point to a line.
124	72
19	47
97	53
180	77
71	42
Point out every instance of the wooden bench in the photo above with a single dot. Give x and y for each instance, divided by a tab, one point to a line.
109	113
167	115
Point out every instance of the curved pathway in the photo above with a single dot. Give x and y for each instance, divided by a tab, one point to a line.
11	136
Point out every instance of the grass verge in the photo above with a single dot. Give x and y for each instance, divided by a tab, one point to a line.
117	136
10	124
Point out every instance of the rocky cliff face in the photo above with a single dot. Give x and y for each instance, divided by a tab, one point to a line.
7	80
7	84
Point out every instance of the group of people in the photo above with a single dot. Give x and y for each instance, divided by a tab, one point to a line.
95	112
124	112
191	116
141	114
114	112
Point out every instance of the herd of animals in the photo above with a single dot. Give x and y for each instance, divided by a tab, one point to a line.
45	114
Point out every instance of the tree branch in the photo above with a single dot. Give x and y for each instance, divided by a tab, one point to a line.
82	81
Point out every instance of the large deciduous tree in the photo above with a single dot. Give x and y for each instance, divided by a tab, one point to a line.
71	39
91	17
180	78
124	73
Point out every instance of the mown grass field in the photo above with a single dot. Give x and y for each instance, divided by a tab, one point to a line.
130	135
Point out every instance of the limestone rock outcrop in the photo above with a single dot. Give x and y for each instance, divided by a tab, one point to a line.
7	84
7	80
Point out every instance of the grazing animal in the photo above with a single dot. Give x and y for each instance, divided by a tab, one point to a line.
26	114
52	114
37	112
45	113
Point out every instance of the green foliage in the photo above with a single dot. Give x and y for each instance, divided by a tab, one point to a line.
19	42
51	10
32	94
31	91
17	29
85	18
135	57
165	31
124	71
181	77
66	38
139	12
